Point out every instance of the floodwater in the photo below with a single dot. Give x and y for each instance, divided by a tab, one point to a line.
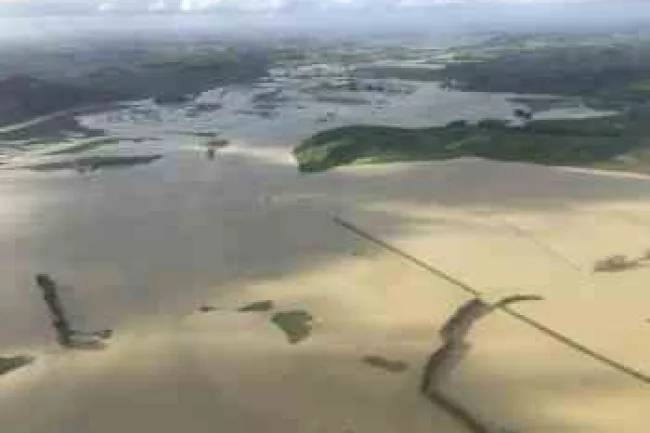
580	112
155	239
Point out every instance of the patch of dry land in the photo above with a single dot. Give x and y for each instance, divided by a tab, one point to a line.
576	361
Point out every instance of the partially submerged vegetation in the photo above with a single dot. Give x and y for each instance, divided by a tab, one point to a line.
621	262
407	73
202	107
549	74
542	103
259	306
296	324
47	131
616	263
392	366
617	142
217	143
92	163
13	363
602	71
341	99
83	146
24	97
202	134
173	72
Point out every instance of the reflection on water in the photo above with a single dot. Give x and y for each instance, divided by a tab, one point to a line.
580	112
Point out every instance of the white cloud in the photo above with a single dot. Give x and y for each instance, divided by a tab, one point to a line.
105	7
253	6
156	6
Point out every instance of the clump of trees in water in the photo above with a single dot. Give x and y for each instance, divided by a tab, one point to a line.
66	335
586	142
598	70
615	264
620	262
8	364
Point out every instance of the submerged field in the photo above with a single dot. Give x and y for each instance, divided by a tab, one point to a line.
378	298
559	79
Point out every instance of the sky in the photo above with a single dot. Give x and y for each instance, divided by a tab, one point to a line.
322	16
27	7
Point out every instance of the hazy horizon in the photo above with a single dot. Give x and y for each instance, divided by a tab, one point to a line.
24	19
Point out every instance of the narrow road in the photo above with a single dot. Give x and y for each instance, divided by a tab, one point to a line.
620	367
